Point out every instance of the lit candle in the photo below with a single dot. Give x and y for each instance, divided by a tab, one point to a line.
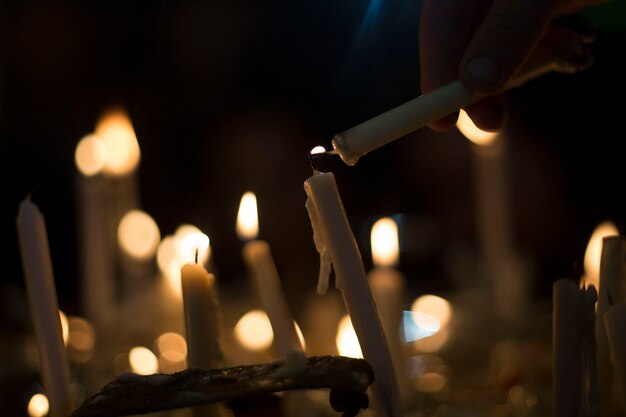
493	219
97	249
593	253
572	315
333	236
615	323
612	282
44	308
258	258
388	289
355	142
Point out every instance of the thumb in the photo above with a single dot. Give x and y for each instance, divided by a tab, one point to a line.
502	43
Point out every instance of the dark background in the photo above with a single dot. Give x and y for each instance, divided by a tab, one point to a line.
228	96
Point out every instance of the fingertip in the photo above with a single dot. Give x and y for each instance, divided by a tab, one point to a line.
489	114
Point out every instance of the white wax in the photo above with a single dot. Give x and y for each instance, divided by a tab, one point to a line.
202	317
258	258
615	323
567	353
44	307
612	280
332	227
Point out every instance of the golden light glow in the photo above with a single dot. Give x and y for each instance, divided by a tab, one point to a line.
247	217
384	240
90	155
594	252
254	331
318	150
347	341
82	335
38	405
191	244
172	347
300	335
138	235
431	382
434	306
65	328
472	132
143	361
120	142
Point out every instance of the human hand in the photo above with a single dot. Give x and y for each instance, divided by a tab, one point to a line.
483	43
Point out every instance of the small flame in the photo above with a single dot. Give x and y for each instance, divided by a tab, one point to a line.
593	252
347	340
143	361
318	150
247	217
472	132
138	235
384	240
38	406
120	141
254	331
90	155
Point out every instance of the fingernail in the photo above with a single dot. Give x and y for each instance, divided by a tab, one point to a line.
484	70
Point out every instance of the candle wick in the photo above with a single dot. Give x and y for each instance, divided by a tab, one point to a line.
196	255
314	156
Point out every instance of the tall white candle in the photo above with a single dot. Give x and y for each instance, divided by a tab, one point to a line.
333	235
265	279
44	307
355	142
615	323
572	314
612	282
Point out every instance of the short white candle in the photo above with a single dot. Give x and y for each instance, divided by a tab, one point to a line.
567	351
333	234
44	307
612	278
615	323
265	279
202	317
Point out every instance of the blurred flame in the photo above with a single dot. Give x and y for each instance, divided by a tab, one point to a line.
118	137
143	361
247	217
317	150
254	331
384	241
594	252
90	155
138	235
172	347
472	132
38	405
435	306
64	327
347	340
82	335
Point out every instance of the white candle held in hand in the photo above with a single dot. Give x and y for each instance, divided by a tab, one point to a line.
332	234
44	308
266	281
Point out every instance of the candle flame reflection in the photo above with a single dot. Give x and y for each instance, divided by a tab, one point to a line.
593	252
247	217
38	405
384	241
254	331
143	361
120	141
467	127
347	340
